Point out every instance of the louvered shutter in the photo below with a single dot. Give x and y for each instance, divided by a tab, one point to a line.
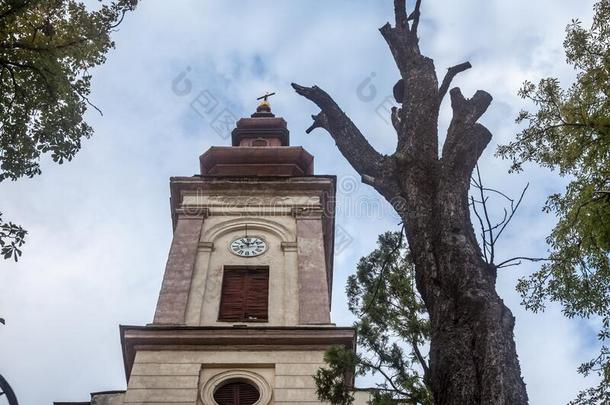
232	298
236	393
245	295
225	395
257	295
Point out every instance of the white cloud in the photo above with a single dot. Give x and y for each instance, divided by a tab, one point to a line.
100	228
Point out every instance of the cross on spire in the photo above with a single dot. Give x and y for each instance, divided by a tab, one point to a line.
266	96
264	107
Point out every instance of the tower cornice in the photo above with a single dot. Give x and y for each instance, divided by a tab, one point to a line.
253	338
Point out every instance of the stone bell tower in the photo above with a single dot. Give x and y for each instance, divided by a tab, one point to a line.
243	316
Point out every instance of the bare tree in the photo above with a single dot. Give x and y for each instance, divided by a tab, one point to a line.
473	359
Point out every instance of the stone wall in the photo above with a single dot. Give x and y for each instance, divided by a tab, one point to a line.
181	377
292	225
214	254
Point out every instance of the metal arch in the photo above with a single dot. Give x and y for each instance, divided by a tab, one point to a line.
5	389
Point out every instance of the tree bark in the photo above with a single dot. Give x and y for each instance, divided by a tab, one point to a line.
473	359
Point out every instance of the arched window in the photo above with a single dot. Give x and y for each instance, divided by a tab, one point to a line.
236	392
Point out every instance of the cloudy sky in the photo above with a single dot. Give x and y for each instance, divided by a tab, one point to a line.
99	227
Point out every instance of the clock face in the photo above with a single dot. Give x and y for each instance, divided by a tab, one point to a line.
248	246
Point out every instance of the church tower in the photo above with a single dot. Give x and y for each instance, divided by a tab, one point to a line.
243	316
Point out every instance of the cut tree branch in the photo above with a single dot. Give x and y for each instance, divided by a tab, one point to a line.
466	139
402	39
416	90
350	141
463	148
415	17
451	73
369	180
403	45
400	11
319	121
469	110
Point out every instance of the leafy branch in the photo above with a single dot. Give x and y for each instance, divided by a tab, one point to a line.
12	238
47	49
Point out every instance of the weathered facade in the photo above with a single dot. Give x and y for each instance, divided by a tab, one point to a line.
243	315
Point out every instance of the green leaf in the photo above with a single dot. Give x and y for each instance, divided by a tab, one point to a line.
569	131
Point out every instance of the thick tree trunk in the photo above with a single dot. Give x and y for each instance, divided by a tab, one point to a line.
473	359
472	356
